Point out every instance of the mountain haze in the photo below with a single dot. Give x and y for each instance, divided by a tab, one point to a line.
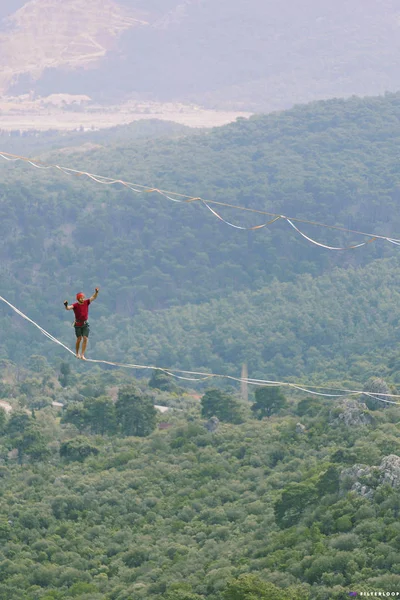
251	54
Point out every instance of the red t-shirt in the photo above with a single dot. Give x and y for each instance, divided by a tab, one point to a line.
81	312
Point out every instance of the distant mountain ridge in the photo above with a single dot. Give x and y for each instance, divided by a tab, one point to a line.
247	54
71	36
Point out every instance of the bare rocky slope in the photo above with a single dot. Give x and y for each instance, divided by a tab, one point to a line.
53	34
241	54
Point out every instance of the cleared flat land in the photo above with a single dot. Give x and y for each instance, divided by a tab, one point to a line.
40	116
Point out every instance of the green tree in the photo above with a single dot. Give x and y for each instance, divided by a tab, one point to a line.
100	415
39	402
31	442
181	594
294	499
78	449
269	400
135	412
30	387
162	381
3	420
328	482
135	557
5	529
223	405
308	406
76	413
375	385
5	390
18	423
251	587
93	388
65	378
81	588
38	364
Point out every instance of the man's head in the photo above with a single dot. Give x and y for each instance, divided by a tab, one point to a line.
80	297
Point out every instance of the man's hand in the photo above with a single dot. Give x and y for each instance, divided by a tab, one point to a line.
96	291
66	303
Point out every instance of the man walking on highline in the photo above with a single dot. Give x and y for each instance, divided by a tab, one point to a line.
81	311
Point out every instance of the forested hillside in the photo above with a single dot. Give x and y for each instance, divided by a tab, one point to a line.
334	162
120	489
342	325
107	501
35	141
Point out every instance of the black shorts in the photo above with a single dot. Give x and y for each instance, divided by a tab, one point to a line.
82	331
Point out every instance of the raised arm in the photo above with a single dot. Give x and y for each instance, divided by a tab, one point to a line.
68	306
96	293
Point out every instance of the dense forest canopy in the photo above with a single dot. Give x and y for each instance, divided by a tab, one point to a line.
333	161
105	500
343	324
277	496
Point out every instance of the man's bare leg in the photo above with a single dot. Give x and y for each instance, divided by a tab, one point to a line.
84	344
78	342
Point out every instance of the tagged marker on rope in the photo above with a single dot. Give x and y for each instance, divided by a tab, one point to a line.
182	198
